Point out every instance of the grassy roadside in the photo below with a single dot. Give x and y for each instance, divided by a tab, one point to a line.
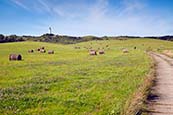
136	105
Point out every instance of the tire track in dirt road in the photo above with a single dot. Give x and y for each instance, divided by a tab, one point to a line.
161	98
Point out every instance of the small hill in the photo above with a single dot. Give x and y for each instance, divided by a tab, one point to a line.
64	39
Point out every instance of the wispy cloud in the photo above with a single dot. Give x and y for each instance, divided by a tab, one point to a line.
54	7
98	10
20	4
133	5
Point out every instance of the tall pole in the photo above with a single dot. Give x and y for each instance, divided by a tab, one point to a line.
50	29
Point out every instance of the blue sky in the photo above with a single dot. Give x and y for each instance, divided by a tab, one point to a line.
87	17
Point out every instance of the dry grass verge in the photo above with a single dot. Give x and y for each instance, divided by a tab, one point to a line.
136	105
168	53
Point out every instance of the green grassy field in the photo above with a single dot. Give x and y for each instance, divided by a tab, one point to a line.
71	82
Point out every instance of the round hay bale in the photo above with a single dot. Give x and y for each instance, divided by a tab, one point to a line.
38	49
42	51
101	52
30	51
125	51
76	47
92	52
50	52
15	57
42	48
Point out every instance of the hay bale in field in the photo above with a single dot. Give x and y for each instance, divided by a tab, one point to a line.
42	48
38	49
135	47
92	52
76	47
50	52
101	52
30	51
15	57
125	51
42	51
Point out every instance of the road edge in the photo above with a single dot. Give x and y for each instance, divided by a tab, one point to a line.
136	105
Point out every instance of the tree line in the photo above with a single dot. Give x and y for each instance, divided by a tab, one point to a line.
11	38
52	38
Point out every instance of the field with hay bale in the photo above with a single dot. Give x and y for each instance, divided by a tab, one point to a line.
72	82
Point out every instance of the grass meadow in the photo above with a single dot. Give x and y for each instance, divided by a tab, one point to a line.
71	82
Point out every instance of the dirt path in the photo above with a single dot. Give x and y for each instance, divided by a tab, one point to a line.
161	101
